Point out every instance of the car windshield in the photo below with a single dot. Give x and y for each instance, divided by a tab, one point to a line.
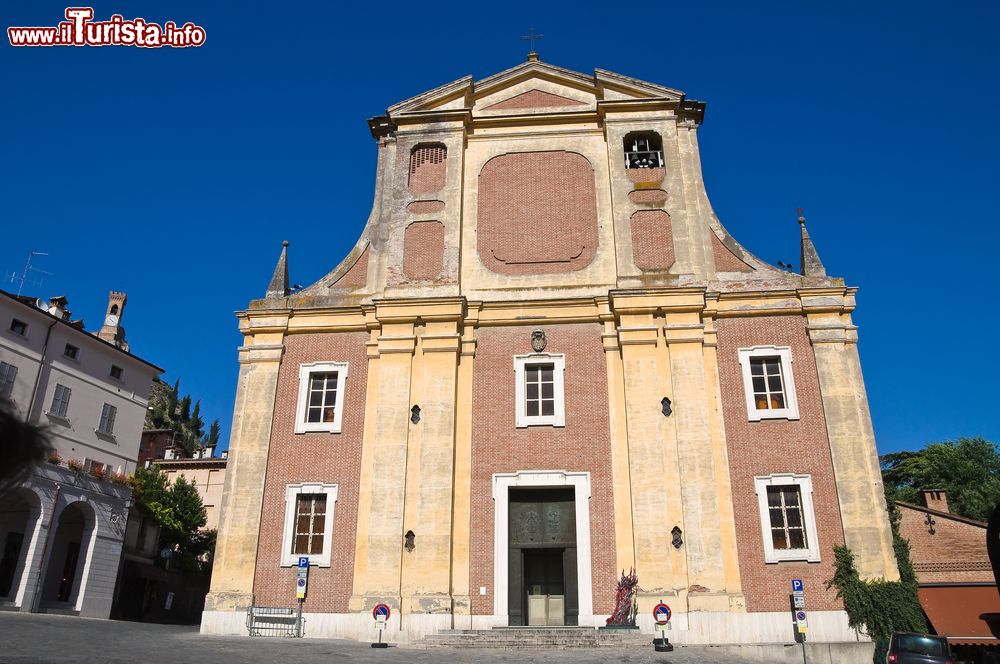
921	645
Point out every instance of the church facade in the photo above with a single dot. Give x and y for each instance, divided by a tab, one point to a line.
544	362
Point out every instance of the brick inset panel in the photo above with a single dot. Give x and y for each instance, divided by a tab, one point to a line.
427	168
778	446
425	207
726	260
582	445
314	457
533	99
537	213
423	250
652	240
648	196
646	175
357	275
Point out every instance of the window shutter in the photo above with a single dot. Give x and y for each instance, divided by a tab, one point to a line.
8	372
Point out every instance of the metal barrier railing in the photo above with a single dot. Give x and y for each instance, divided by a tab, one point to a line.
273	621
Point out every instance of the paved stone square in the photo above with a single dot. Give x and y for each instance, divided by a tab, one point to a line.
53	639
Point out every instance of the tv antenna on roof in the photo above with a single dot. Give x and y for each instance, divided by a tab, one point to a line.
28	269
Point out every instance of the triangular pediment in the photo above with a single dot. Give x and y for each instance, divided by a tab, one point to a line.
532	99
533	85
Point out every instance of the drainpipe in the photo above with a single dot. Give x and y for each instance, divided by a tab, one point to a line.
38	377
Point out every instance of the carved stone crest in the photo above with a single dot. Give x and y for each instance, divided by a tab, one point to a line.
538	340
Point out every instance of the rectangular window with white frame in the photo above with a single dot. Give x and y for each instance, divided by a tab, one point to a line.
787	520
107	423
308	530
539	390
60	401
321	397
8	373
768	383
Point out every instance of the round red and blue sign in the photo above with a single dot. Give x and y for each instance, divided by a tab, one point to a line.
381	609
661	613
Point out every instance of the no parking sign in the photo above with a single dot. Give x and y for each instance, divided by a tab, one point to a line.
661	613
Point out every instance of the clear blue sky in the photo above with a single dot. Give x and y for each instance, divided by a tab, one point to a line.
176	174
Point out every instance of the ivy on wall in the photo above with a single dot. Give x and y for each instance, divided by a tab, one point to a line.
878	607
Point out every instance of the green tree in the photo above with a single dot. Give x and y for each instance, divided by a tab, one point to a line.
195	424
177	509
171	405
185	409
168	409
967	468
186	505
212	440
151	486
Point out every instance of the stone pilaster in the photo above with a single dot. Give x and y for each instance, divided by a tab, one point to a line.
407	472
426	570
461	535
239	519
624	534
849	426
651	449
697	453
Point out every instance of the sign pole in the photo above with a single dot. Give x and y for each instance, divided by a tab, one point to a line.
298	620
301	584
798	598
381	614
661	619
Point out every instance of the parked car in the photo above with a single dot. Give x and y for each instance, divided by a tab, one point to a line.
908	648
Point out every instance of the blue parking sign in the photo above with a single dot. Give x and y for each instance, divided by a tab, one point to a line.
797	585
304	562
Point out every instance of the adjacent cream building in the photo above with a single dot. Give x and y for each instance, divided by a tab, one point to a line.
545	361
62	529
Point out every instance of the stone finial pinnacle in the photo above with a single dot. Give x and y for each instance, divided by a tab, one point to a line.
279	281
809	263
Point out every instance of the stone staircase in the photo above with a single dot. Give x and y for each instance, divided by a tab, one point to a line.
508	638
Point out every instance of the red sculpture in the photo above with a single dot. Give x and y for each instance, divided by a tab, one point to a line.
626	604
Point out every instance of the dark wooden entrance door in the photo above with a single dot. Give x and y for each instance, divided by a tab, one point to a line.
542	572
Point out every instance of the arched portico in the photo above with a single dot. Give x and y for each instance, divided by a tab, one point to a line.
19	519
70	549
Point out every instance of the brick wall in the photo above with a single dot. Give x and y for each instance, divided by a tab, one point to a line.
648	196
955	552
425	207
314	457
423	250
652	240
357	275
537	213
533	99
646	175
427	168
725	260
582	445
778	446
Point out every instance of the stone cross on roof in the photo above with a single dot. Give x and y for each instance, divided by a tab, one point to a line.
532	37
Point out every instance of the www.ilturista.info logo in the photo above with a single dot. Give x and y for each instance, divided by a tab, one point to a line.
79	29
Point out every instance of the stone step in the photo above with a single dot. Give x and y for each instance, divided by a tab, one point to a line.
507	638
